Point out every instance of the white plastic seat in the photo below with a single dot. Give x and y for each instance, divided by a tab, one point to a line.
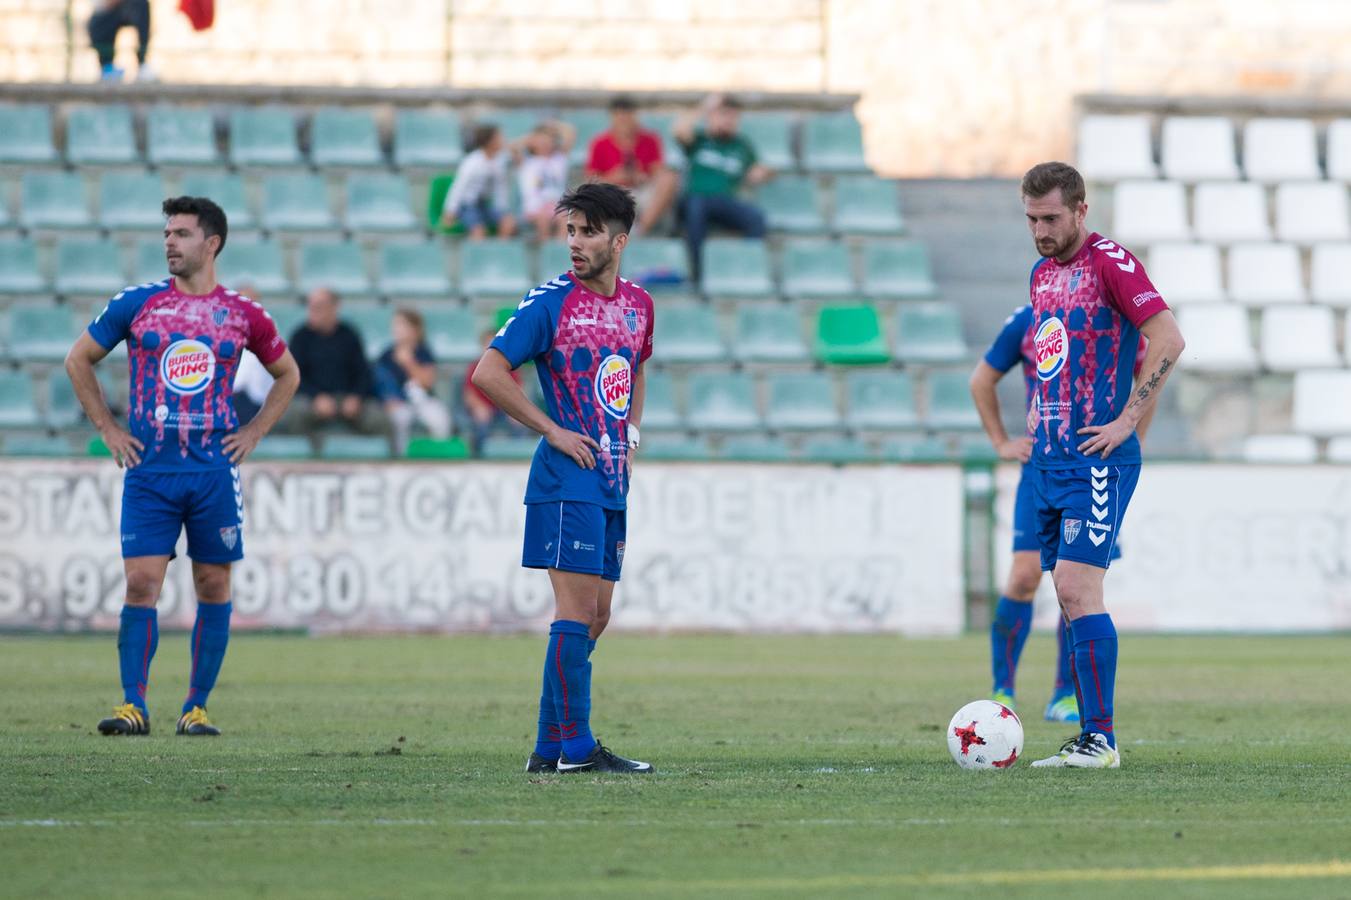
1199	148
1339	450
1217	338
1229	211
1346	338
1260	274
1323	402
1113	148
1312	211
1330	274
1282	449
1299	337
1339	150
1186	273
1147	211
1280	150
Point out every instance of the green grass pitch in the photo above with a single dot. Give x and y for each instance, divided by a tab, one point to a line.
789	767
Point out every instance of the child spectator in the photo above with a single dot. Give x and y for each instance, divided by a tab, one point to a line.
405	376
480	198
543	176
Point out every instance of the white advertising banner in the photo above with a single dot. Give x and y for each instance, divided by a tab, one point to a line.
437	547
1221	548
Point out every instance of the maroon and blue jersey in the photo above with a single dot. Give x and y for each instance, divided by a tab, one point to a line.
1086	318
182	352
587	348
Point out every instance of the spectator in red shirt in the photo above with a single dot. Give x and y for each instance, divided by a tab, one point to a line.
484	416
630	156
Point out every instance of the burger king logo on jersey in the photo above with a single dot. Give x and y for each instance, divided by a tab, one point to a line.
614	385
1052	347
187	367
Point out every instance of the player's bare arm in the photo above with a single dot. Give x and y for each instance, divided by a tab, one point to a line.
492	375
287	374
983	392
1165	348
80	362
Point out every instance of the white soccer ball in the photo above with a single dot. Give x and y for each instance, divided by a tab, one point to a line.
985	735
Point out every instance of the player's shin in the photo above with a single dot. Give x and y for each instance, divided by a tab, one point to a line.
210	635
1095	647
1008	633
568	646
548	740
137	640
1064	664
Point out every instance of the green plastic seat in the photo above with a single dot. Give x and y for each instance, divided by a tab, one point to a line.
227	191
880	400
427	139
287	316
181	136
722	402
897	270
35	445
354	447
344	137
100	135
554	259
867	205
5	218
452	334
17	406
515	123
835	448
833	142
817	268
509	448
771	134
755	448
259	263
915	449
736	268
495	268
20	271
676	448
40	332
436	201
373	322
63	407
131	201
437	448
949	404
659	403
380	203
414	270
336	265
283	447
26	134
977	449
658	264
768	332
929	333
150	265
88	267
588	123
850	335
802	401
297	203
54	200
792	203
263	136
690	334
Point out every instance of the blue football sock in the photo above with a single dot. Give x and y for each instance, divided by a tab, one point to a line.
1064	661
570	675
1008	633
137	638
1095	664
548	742
210	634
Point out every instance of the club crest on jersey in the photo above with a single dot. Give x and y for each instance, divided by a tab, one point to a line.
1072	529
1052	347
1075	277
631	319
219	315
187	367
614	385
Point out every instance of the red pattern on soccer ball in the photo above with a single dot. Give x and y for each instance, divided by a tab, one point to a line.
1005	763
968	737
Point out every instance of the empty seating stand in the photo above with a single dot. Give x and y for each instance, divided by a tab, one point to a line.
1115	148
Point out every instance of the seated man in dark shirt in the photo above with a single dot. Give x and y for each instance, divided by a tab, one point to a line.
336	385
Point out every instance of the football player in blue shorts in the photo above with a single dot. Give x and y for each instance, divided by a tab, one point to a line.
1091	304
589	333
183	447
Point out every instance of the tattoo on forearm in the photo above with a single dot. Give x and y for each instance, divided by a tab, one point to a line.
1152	384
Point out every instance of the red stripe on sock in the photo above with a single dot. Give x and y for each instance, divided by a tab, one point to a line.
145	660
1097	685
558	663
196	648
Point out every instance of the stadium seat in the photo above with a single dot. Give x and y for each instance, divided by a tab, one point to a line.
802	401
792	203
258	263
1280	150
515	123
1300	337
915	450
437	448
722	402
1339	150
754	448
26	134
380	203
35	445
929	333
89	267
1227	211
850	335
283	446
1186	273
100	135
344	137
657	264
427	139
833	142
181	135
880	400
227	190
1199	148
17	406
54	200
768	332
1330	274
288	316
835	448
587	123
1218	339
20	272
1115	148
660	412
813	267
131	201
867	205
453	334
1148	211
1339	450
736	267
354	447
948	401
40	332
263	136
555	259
149	261
1280	449
297	203
676	448
372	321
336	265
897	270
1265	273
504	448
63	407
771	133
690	334
1323	402
496	268
1312	211
414	270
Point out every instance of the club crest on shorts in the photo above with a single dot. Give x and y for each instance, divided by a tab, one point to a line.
229	536
1072	529
631	319
619	552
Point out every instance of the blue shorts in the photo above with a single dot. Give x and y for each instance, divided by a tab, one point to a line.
1025	539
472	215
157	506
1079	512
574	537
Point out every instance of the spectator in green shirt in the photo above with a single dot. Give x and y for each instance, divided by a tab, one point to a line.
720	162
